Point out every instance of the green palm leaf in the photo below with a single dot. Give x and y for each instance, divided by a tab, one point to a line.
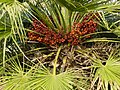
109	72
106	73
7	1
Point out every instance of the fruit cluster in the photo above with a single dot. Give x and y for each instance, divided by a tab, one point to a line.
43	34
81	29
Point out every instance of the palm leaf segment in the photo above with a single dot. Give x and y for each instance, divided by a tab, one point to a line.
108	74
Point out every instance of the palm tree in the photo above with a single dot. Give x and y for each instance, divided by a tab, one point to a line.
56	16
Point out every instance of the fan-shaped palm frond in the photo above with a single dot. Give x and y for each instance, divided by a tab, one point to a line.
14	12
108	74
93	5
12	15
35	77
106	71
46	81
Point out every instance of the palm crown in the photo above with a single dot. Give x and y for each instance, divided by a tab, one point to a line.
58	23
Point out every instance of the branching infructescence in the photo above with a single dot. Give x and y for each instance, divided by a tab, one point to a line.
50	37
